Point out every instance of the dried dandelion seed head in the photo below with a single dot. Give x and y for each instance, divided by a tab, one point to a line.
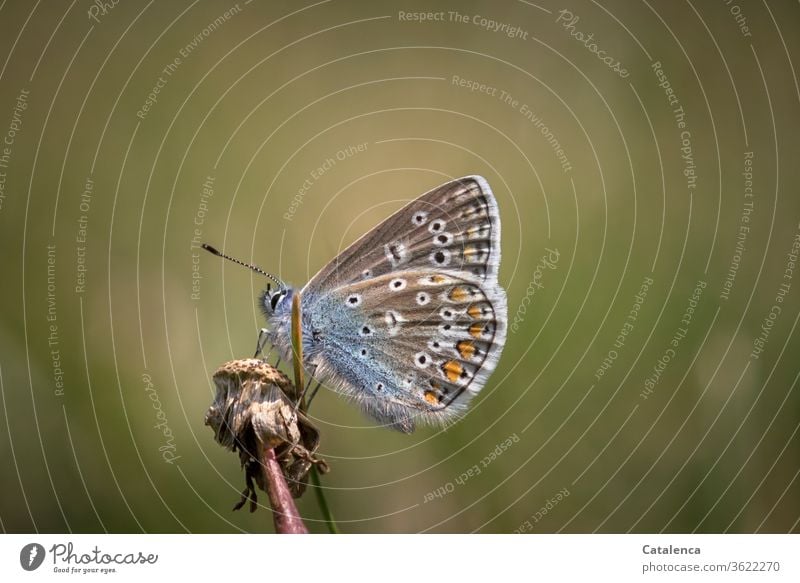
252	395
253	410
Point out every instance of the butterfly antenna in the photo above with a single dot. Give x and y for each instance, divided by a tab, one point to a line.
255	268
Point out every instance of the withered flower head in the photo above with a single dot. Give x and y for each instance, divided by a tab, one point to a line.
253	411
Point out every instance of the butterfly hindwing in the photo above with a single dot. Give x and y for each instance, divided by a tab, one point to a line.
414	344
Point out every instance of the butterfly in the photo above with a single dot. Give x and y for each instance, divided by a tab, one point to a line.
409	321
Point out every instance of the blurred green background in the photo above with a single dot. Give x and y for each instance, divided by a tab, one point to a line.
108	305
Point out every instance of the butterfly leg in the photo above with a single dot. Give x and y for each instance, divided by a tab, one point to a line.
261	342
313	394
263	338
303	394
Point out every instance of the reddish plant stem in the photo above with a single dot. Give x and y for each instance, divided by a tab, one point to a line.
284	511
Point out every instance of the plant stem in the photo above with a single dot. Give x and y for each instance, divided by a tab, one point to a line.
297	350
284	511
299	383
323	503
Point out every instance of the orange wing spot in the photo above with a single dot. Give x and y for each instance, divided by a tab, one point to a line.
452	370
470	250
476	329
466	348
475	311
430	396
437	278
459	293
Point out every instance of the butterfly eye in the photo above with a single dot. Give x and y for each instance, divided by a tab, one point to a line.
276	298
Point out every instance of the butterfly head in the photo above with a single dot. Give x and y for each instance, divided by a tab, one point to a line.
277	301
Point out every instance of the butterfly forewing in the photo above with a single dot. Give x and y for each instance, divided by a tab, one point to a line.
455	227
410	319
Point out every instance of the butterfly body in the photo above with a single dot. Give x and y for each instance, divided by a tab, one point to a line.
409	321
